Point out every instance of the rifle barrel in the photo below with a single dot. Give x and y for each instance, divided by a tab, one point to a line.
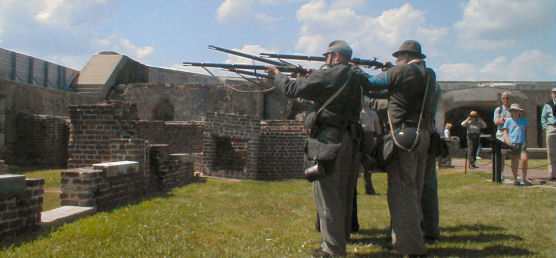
282	68
294	57
237	53
358	61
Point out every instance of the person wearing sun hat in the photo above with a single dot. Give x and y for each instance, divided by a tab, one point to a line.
548	123
515	136
473	124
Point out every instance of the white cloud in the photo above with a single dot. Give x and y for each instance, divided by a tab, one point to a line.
368	36
530	65
491	24
125	47
64	31
243	11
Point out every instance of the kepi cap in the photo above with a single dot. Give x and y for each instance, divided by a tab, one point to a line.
339	46
515	106
410	46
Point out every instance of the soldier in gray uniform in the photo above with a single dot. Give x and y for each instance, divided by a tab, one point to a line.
407	83
337	123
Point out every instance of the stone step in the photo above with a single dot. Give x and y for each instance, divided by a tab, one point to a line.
64	214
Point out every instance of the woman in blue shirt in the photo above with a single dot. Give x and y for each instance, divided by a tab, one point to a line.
514	133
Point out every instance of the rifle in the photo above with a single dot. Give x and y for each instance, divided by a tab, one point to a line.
283	66
237	67
357	61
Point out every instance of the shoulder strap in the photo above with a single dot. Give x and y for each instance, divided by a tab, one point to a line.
335	94
420	119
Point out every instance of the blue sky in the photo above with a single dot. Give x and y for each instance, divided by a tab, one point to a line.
502	40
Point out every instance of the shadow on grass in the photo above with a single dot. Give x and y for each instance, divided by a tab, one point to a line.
380	238
36	232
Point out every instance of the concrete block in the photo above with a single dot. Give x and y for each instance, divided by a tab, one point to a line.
11	183
64	214
117	168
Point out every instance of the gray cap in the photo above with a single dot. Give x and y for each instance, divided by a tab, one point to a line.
410	46
339	46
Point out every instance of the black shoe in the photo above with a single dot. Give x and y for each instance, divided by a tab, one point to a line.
552	178
371	192
431	240
354	227
417	255
321	253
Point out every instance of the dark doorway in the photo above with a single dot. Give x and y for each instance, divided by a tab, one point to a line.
163	110
230	154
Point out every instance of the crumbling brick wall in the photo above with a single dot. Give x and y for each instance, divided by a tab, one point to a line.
230	135
102	186
281	149
41	141
92	127
20	210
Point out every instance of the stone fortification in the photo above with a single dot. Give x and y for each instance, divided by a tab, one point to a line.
281	149
20	205
92	128
41	141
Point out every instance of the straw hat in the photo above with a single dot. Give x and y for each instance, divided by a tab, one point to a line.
515	106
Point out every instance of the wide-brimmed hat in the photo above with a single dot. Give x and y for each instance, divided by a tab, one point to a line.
515	106
339	46
410	46
553	89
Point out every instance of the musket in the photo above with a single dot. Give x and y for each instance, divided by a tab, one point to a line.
357	61
231	67
256	58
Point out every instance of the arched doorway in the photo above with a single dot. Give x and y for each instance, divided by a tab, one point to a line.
163	110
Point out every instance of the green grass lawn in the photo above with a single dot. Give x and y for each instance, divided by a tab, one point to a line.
52	181
215	218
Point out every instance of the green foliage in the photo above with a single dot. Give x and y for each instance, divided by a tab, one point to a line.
225	218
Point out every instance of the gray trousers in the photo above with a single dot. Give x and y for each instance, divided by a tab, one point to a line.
551	149
429	201
334	198
406	174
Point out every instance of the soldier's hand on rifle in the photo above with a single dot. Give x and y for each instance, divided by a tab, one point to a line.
272	70
387	66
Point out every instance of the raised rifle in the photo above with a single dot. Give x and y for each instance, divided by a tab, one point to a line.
238	68
357	61
283	66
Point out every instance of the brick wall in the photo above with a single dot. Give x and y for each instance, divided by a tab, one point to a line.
281	149
20	210
92	127
107	185
104	186
41	141
181	137
133	150
169	170
230	135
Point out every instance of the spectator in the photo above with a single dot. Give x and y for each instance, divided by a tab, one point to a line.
452	142
447	128
474	124
548	123
514	134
